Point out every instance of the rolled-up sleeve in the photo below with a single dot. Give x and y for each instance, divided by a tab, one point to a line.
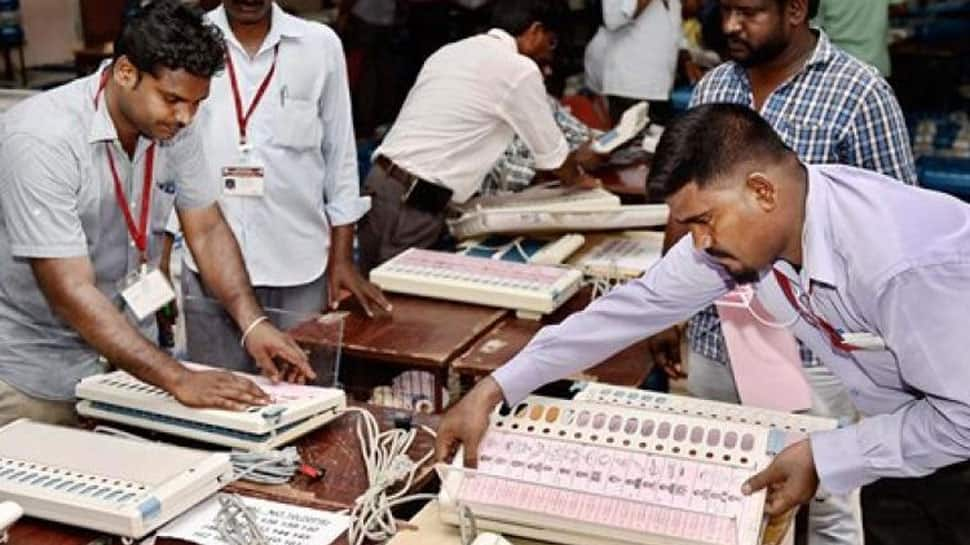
344	204
527	110
618	13
680	285
197	187
923	317
39	183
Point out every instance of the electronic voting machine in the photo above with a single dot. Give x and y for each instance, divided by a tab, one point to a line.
553	209
295	411
106	483
530	290
621	466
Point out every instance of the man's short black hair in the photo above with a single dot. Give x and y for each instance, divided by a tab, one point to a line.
707	142
169	34
516	16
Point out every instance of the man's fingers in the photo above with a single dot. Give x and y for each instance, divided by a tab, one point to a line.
769	476
443	447
364	301
254	393
268	367
376	295
471	453
779	502
291	352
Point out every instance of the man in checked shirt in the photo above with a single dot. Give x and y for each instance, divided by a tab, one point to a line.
830	108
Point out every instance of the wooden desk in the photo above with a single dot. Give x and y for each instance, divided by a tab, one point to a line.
510	335
421	333
334	447
431	531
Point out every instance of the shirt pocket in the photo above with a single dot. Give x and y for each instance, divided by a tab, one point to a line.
298	125
814	141
163	202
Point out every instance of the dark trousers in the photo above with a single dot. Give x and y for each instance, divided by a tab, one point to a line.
660	110
932	510
392	226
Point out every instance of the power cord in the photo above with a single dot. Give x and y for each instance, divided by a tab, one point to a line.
387	464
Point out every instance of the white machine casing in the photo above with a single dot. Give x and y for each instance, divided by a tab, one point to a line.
531	290
119	397
106	483
795	425
10	513
618	430
550	209
633	120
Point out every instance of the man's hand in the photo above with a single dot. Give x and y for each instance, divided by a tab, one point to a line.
665	350
466	422
217	390
589	159
344	276
266	343
571	174
791	479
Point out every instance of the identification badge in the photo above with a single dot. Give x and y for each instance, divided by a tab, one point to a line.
147	290
243	181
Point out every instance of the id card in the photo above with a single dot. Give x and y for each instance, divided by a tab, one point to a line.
243	181
145	291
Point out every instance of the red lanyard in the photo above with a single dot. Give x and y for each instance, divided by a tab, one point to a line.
834	336
241	118
139	233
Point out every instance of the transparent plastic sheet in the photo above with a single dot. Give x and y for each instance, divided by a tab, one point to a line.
320	335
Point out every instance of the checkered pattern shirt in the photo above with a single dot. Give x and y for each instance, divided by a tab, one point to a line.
835	110
516	168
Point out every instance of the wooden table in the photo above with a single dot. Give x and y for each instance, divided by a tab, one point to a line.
629	367
421	333
333	447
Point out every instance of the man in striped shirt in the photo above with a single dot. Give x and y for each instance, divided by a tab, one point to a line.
830	108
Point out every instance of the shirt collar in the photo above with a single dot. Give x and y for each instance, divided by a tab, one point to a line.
822	54
102	127
817	248
505	38
283	25
824	50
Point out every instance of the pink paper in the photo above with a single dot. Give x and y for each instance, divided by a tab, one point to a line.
765	361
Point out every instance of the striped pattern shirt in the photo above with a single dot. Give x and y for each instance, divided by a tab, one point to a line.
835	110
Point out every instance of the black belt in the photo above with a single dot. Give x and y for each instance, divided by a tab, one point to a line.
418	192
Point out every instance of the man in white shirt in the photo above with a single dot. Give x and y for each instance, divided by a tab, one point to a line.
280	141
470	99
633	56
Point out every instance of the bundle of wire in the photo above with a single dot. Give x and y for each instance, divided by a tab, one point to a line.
388	468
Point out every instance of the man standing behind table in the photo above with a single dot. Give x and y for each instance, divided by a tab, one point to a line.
279	137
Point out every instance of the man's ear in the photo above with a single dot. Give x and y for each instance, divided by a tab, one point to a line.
796	11
763	190
125	74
